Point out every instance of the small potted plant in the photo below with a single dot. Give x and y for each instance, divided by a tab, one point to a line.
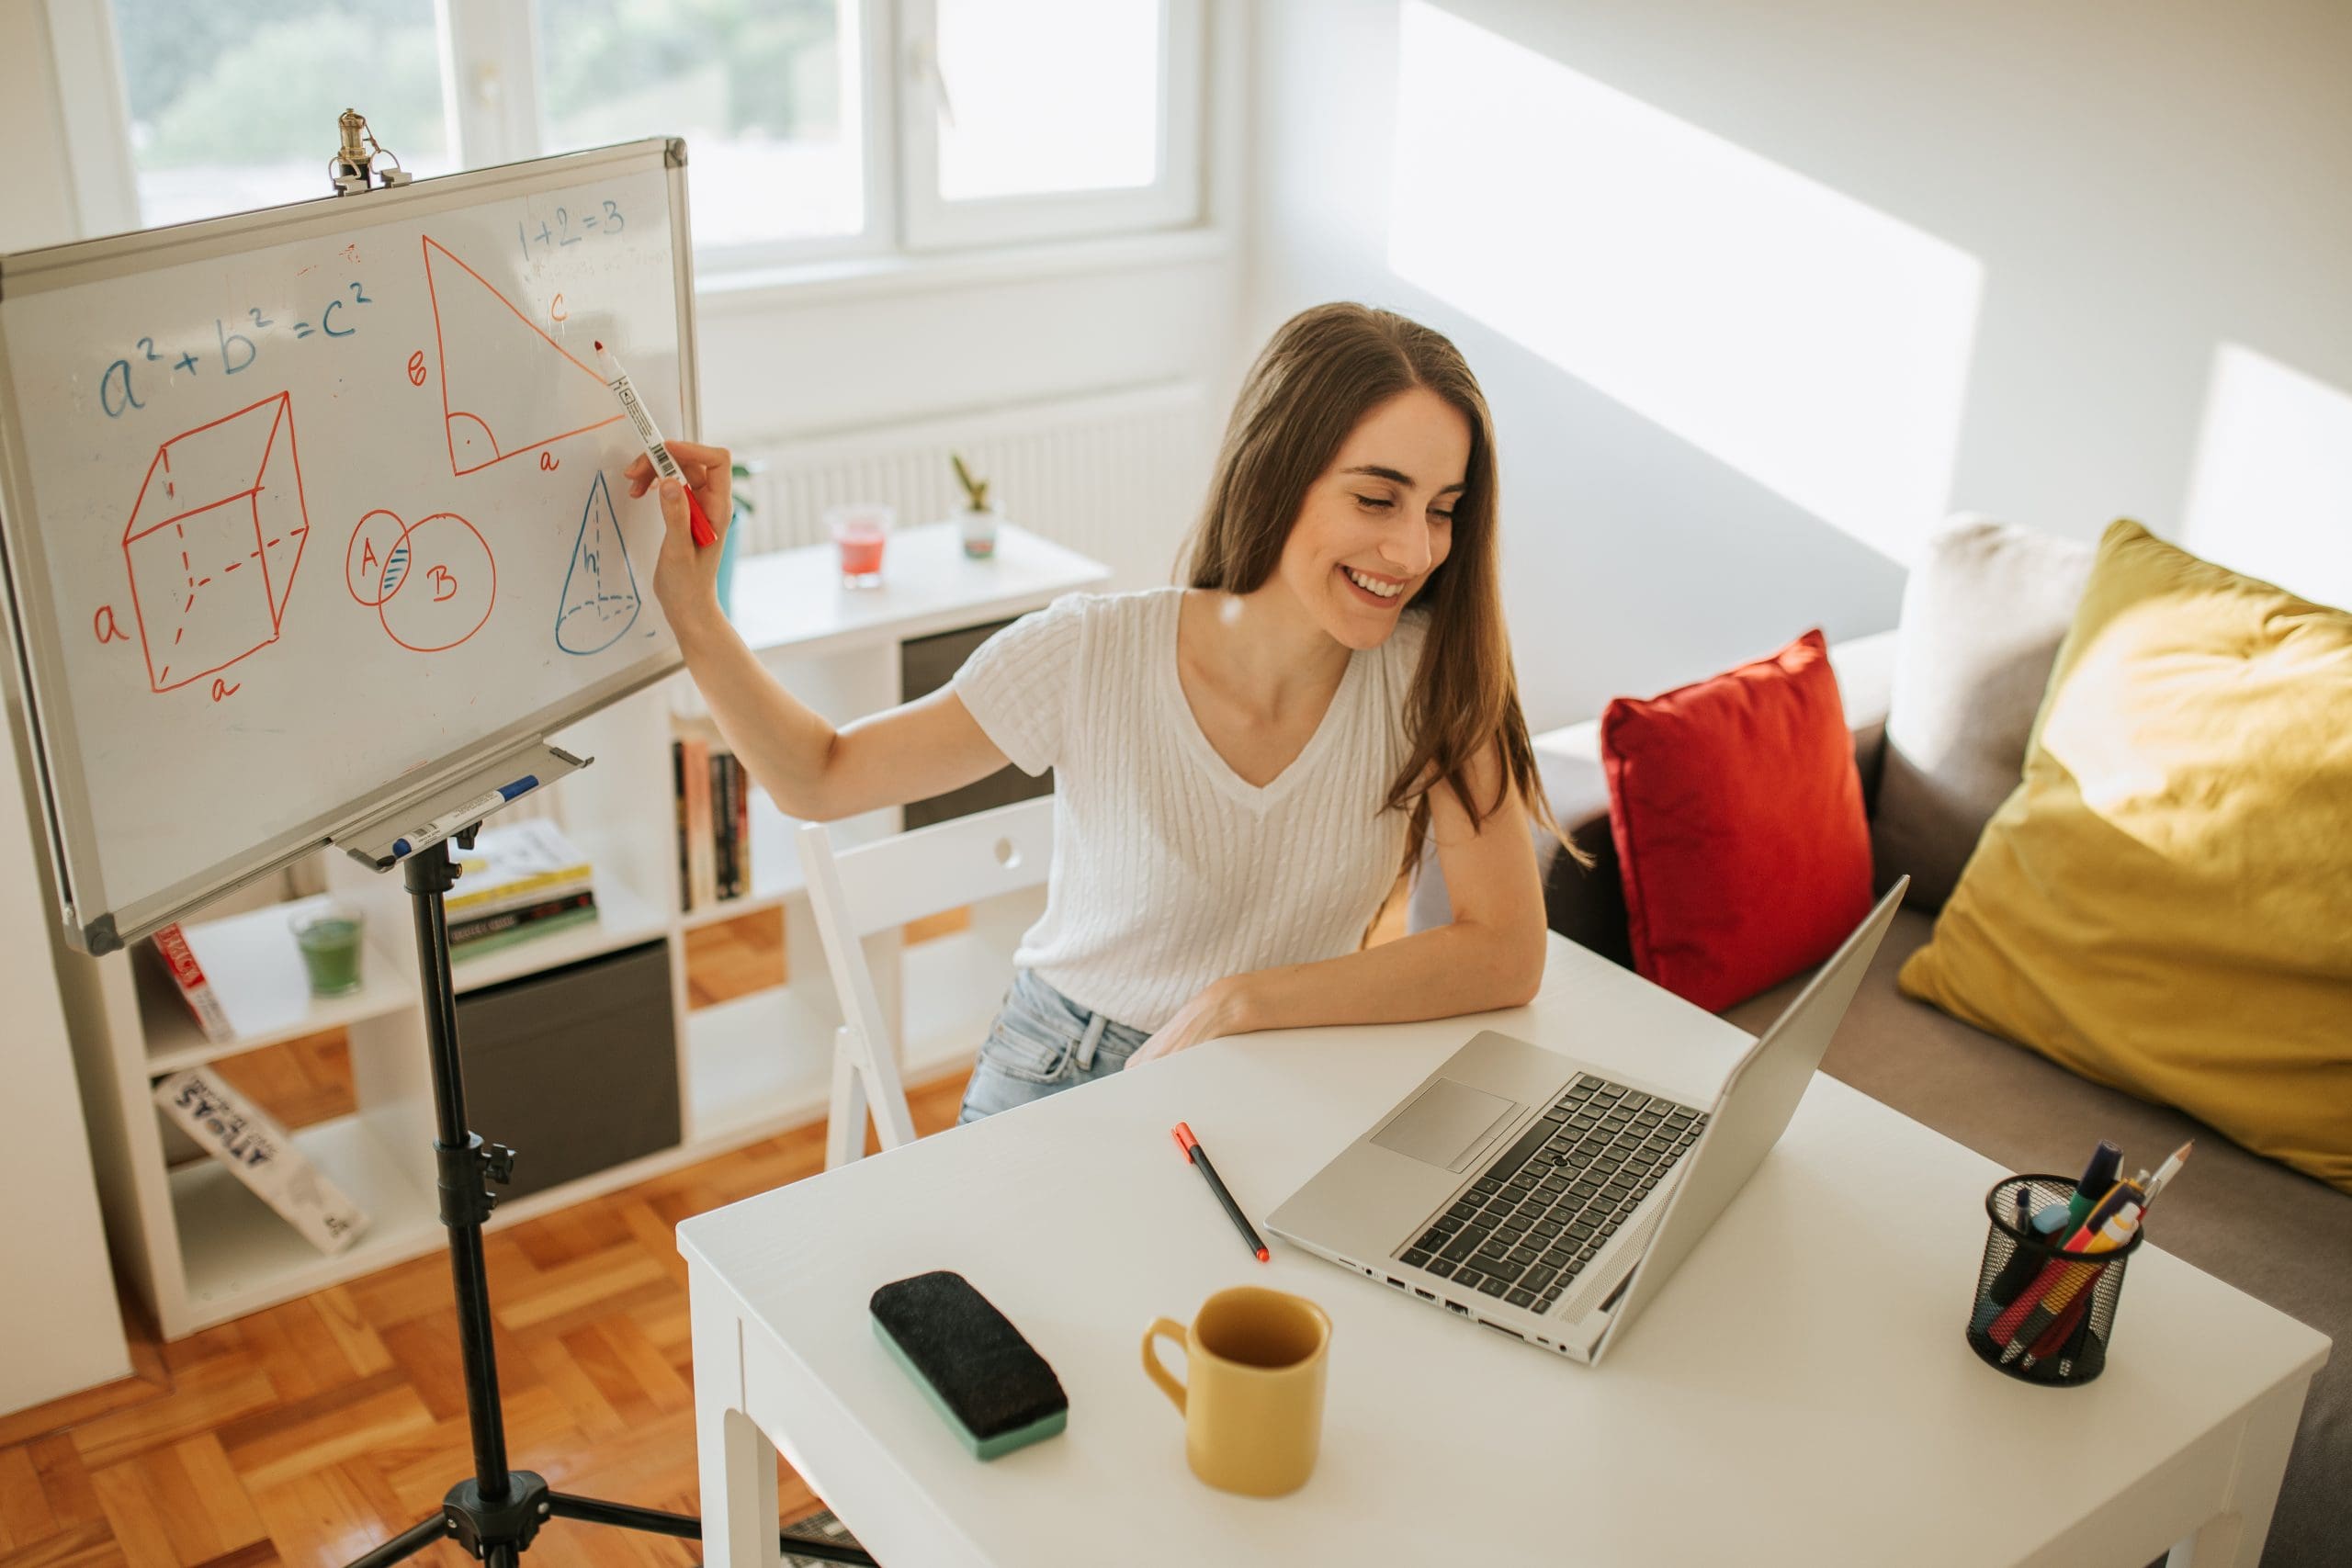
976	524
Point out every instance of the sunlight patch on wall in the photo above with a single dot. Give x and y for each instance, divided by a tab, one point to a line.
1807	340
2271	493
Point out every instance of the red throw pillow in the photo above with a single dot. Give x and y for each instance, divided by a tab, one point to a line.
1739	826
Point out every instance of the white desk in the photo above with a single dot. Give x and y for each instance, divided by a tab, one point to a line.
1800	1393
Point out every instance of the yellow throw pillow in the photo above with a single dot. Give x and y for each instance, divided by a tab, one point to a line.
2164	905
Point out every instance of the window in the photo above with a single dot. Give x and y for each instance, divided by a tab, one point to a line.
765	92
232	103
1026	117
815	126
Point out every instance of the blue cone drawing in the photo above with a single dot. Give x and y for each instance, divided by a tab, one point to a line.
600	599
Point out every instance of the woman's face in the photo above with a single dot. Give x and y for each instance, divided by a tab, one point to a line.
1380	519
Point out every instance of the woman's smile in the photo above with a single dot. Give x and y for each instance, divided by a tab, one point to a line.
1395	587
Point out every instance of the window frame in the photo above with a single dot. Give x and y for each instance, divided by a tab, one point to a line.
490	70
930	224
490	84
96	129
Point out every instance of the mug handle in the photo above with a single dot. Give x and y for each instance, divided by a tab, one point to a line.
1152	1366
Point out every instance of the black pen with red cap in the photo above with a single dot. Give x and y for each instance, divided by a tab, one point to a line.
1183	1133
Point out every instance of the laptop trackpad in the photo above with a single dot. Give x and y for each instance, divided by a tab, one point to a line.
1446	1124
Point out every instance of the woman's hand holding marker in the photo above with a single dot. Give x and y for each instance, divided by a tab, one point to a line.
686	579
648	432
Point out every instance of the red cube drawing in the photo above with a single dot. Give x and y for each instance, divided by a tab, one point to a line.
213	542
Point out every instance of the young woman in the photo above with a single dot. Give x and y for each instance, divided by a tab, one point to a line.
1243	764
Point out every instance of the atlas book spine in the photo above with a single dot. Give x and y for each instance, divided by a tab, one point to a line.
261	1154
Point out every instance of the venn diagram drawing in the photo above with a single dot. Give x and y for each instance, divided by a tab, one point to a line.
433	582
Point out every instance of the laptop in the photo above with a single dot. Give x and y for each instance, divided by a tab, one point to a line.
1552	1200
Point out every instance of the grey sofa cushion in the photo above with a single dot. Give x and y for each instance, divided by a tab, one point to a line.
1984	612
2275	1234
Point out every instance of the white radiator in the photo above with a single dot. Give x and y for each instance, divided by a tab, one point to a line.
1119	476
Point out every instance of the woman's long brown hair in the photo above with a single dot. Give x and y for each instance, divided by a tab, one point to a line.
1323	371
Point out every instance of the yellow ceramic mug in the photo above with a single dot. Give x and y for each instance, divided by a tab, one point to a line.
1252	1397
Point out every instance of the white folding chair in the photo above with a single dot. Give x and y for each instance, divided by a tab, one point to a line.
874	887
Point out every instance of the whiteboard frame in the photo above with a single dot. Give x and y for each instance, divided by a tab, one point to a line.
94	922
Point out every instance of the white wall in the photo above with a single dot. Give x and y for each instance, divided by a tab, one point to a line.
67	1333
2130	218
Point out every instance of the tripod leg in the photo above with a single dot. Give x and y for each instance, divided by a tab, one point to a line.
627	1516
405	1545
815	1550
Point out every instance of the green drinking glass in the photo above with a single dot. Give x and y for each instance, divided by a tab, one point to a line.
331	936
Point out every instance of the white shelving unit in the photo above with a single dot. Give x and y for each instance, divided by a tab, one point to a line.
202	1249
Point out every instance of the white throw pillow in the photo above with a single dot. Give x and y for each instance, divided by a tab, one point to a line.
1982	614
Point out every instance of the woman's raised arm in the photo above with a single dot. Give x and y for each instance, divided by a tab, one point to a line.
811	770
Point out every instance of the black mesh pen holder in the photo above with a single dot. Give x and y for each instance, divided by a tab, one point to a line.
2041	1314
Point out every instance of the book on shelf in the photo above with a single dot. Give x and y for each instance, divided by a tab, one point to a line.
529	930
530	910
726	807
741	824
187	977
702	866
685	834
513	860
737	880
711	797
719	871
261	1154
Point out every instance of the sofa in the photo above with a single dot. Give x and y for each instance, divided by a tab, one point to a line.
2280	1235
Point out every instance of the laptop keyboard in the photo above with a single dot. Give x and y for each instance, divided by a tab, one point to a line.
1528	1227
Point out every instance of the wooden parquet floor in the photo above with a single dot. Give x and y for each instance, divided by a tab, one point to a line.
305	1434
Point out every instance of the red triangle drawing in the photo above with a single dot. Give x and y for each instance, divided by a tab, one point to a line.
507	386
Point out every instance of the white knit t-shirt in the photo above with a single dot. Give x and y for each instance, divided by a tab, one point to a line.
1170	872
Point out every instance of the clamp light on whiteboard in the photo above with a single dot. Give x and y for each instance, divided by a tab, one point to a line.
432	814
354	163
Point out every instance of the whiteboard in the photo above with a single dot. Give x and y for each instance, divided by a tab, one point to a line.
308	510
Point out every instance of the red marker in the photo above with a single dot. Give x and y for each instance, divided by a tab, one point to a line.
1200	1159
655	447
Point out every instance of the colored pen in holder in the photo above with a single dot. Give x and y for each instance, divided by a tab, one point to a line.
2043	1313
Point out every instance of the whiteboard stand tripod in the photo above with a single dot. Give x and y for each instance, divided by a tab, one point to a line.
495	1514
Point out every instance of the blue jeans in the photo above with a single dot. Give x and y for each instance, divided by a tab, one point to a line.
1043	1042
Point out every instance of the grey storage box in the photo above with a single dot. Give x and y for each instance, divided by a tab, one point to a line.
927	663
575	1069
